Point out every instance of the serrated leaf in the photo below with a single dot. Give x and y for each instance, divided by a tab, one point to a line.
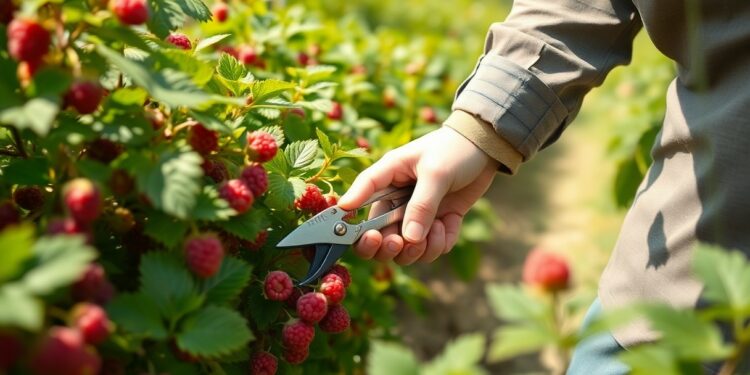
168	284
246	226
210	41
348	175
262	311
137	314
209	206
278	165
165	229
213	332
325	143
391	359
166	15
276	132
513	340
283	191
228	283
196	9
301	153
16	246
200	72
460	356
230	68
58	262
263	90
20	309
173	184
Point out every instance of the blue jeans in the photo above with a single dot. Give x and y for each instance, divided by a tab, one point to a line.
597	354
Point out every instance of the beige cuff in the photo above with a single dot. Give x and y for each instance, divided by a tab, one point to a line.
484	136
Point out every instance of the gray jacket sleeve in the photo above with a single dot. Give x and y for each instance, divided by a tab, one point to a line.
538	65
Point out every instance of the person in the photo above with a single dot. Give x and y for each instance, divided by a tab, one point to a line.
528	87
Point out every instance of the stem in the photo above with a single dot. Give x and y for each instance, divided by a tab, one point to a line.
19	143
562	356
326	164
743	342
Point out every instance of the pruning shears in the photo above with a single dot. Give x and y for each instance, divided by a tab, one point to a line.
332	236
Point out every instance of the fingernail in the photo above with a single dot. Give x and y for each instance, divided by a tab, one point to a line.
414	231
393	247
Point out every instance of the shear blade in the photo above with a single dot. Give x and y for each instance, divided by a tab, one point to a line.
325	257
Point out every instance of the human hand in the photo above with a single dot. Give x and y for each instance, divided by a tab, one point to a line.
451	174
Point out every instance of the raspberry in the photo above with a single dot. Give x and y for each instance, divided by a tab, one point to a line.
9	214
7	8
204	254
312	200
92	286
336	320
229	50
131	12
256	178
332	287
363	143
29	198
92	322
296	356
63	352
258	242
202	140
215	170
261	146
230	242
220	11
341	272
82	200
428	115
238	195
11	349
121	220
180	41
278	286
84	96
546	270
312	307
297	335
104	150
336	112
27	40
263	363
303	58
389	99
247	55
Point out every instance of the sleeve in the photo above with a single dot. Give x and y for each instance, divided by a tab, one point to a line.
536	68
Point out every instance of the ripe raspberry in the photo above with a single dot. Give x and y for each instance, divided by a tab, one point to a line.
303	59
202	140
263	363
258	242
278	286
11	349
238	195
546	270
104	150
247	55
121	220
428	115
9	214
297	335
341	272
82	200
220	11
63	352
215	170
261	146
312	200
312	307
27	40
29	198
363	143
256	178
204	254
296	356
92	286
91	320
336	112
336	320
84	96
180	41
131	12
332	287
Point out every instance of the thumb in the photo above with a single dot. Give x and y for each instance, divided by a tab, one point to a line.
379	176
423	206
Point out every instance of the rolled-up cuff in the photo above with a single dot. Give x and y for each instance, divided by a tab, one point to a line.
520	107
484	136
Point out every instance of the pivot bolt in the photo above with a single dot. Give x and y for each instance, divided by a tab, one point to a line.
339	229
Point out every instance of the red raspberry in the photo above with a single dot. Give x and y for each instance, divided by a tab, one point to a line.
131	12
247	55
362	142
546	270
229	50
63	352
303	58
258	242
91	320
312	307
428	115
263	363
230	242
84	96
336	112
278	286
261	146
104	150
336	320
297	335
7	8
180	41
238	195
332	286
82	200
312	200
215	170
291	302
29	198
9	214
341	272
92	286
204	254
27	40
256	178
202	140
296	356
220	11
11	349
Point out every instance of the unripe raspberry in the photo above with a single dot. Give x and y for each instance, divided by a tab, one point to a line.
84	96
312	200
336	112
92	286
263	363
131	12
256	178
215	170
296	356
546	270
202	140
63	352
258	242
428	115
29	198
11	349
27	40
220	11
82	200
261	146
103	150
180	41
332	287
341	272
278	286
312	307
336	320
91	320
204	254
121	220
9	214
297	335
238	195
247	55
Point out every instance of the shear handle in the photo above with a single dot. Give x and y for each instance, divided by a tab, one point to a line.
390	193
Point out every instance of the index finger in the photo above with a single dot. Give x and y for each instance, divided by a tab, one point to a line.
379	176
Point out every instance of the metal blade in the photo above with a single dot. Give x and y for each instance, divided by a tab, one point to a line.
331	255
319	229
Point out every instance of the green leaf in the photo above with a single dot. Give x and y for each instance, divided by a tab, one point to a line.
391	359
49	82
460	357
173	184
137	314
279	165
58	262
209	206
262	311
199	71
263	90
513	340
20	309
166	15
246	226
726	275
353	153
165	229
38	114
16	243
196	9
301	153
510	303
325	143
348	175
230	68
166	282
228	283
650	359
283	191
27	171
210	41
465	260
214	331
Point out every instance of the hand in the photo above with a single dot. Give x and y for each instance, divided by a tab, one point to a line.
451	174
